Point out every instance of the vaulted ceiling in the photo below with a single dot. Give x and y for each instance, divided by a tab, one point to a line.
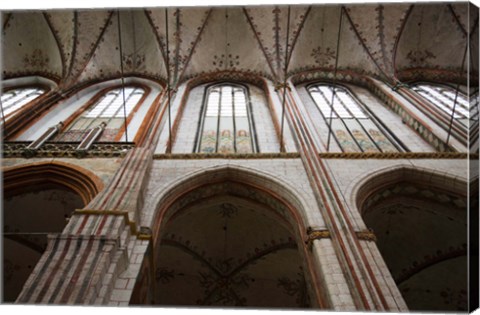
386	41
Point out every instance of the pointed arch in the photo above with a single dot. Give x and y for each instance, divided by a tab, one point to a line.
239	183
419	218
85	183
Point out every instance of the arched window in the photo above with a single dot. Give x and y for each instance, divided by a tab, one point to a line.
107	109
443	97
14	99
226	123
352	127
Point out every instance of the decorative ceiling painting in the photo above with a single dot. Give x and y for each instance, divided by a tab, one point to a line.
381	40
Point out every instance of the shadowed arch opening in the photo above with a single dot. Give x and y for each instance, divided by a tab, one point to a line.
83	182
231	238
420	221
38	200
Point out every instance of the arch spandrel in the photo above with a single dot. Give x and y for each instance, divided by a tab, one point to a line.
253	177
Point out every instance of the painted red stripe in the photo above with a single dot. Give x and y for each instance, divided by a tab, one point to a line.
48	281
82	225
347	221
336	236
76	275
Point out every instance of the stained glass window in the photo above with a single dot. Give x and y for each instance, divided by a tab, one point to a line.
351	125
13	100
108	109
227	125
443	97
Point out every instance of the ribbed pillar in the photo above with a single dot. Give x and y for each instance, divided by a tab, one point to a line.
364	291
73	268
82	264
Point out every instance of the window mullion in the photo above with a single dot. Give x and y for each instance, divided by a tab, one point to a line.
346	107
251	126
8	97
459	103
341	118
234	121
384	130
351	135
22	95
120	107
446	107
361	125
99	115
325	118
218	118
203	117
368	134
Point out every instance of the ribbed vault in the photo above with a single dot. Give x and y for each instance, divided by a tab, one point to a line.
382	40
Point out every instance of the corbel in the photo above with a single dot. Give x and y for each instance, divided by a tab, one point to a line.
366	235
282	85
315	235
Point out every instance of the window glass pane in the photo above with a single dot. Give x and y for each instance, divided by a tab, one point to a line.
343	137
212	104
243	140
208	140
226	124
240	104
444	98
474	103
351	104
360	136
112	104
352	126
225	144
81	123
226	108
13	100
322	104
115	123
98	108
377	136
109	109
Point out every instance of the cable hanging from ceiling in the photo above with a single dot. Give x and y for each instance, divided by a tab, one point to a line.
169	89
334	85
284	85
456	94
122	75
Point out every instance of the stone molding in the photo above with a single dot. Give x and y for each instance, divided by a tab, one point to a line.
66	149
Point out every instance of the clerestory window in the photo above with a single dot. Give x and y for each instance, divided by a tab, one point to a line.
13	100
351	126
226	121
443	97
108	109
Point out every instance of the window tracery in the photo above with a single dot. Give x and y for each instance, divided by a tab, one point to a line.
109	111
352	127
226	123
14	99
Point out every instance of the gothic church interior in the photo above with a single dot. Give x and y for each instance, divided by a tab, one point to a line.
319	156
